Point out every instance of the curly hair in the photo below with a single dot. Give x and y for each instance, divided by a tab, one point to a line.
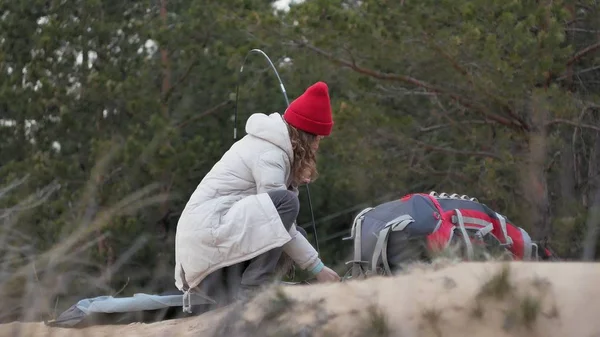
304	164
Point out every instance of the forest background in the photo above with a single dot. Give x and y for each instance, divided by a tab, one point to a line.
111	112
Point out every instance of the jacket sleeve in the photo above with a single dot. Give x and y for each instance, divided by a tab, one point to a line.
270	172
301	251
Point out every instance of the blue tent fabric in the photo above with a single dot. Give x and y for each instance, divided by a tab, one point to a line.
139	302
123	309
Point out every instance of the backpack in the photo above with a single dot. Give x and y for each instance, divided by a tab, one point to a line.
416	225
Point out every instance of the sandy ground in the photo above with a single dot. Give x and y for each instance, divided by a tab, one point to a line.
474	299
203	325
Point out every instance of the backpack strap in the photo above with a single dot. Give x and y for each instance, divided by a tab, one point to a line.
528	246
483	227
535	251
396	225
356	234
507	239
461	226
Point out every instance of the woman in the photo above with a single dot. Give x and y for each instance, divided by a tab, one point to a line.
240	220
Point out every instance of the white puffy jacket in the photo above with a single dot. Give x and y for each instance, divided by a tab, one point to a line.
230	218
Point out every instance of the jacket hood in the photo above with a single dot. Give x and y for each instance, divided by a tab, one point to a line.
271	128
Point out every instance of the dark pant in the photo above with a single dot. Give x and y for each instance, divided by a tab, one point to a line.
225	285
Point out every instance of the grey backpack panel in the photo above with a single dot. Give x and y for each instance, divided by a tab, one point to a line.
392	233
420	208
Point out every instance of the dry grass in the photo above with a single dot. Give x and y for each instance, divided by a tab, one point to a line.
522	301
498	286
38	283
409	305
432	319
376	322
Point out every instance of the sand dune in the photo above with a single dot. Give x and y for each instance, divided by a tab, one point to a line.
481	299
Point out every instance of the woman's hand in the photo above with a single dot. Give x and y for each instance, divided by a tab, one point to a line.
327	275
306	178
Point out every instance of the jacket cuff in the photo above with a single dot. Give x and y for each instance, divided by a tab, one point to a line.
317	269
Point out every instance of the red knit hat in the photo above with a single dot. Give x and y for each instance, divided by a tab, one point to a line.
311	111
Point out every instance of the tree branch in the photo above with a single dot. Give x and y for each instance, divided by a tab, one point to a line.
204	113
432	172
443	126
455	151
204	42
583	52
411	80
464	72
569	73
573	123
165	61
180	80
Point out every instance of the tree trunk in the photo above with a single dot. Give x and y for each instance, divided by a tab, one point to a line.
167	177
567	179
590	240
534	175
593	218
164	55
